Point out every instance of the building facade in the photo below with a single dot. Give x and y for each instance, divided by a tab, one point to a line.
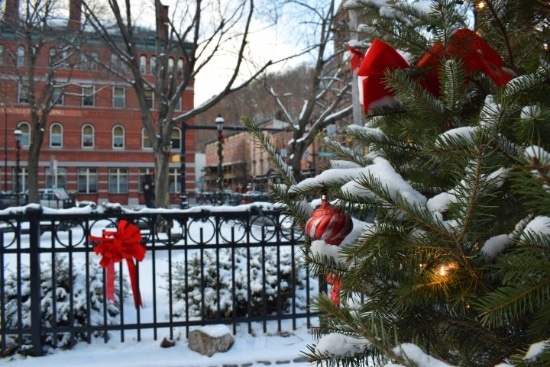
94	144
246	165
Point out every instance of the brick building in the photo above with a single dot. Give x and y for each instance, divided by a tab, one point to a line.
94	144
246	165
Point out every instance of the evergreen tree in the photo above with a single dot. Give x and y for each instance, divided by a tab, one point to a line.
454	269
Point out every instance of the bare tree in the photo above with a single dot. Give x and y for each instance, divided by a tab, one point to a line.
322	84
45	50
309	96
202	30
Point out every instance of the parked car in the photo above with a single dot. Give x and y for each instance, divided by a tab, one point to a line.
8	200
57	198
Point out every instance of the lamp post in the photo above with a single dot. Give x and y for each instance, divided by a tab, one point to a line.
184	199
5	149
17	134
219	125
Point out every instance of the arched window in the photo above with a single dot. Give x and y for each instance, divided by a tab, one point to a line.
171	64
114	62
143	64
56	135
51	56
175	139
88	136
20	56
25	128
118	137
180	68
153	65
145	141
94	60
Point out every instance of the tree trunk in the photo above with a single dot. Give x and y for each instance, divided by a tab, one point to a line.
162	179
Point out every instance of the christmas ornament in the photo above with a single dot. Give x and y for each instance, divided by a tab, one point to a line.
465	45
115	246
331	225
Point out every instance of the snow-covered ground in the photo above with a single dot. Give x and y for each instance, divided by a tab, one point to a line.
256	349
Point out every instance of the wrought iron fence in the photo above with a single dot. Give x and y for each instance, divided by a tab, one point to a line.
237	268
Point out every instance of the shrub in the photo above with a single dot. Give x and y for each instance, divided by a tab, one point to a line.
70	303
211	282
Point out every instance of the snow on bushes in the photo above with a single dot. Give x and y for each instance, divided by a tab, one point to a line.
69	308
269	271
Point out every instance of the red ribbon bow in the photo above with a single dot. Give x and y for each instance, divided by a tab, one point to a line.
115	246
379	57
476	54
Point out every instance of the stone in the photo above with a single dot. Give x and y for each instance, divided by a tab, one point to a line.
210	339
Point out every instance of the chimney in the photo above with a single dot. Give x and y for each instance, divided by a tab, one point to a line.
163	19
11	12
75	14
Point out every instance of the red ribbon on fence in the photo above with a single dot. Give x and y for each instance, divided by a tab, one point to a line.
115	246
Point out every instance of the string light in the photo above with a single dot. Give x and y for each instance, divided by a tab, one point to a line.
481	5
444	269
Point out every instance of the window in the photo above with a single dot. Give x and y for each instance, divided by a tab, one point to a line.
118	137
175	139
180	68
153	65
149	98
56	135
22	96
174	180
145	141
115	62
1	55
94	61
83	62
25	133
88	96
57	178
87	180
88	139
143	64
52	55
171	65
118	181
57	96
177	107
20	56
119	97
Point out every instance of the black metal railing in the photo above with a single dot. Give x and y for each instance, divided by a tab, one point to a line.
239	268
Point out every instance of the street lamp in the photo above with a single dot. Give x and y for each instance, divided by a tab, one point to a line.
5	149
219	125
17	134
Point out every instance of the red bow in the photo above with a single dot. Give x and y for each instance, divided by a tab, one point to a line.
476	54
379	57
115	246
356	57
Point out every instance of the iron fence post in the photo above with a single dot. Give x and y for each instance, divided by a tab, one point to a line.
35	286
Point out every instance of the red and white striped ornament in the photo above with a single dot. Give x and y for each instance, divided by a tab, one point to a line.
329	224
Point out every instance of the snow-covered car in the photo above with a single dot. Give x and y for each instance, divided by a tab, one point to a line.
57	198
